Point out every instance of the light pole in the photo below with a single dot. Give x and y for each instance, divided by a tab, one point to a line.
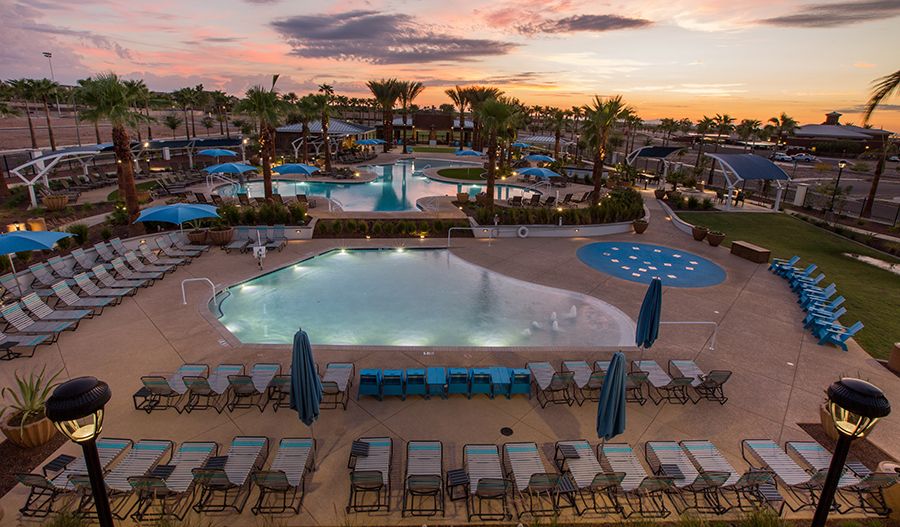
76	408
53	78
855	406
841	165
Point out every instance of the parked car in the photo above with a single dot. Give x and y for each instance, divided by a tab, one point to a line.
805	158
778	156
894	158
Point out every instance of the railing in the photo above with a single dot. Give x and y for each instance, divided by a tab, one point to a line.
210	178
712	342
332	202
207	280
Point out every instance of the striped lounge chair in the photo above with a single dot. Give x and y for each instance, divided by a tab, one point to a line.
673	390
164	244
42	311
10	344
804	486
227	485
424	481
535	488
102	274
486	483
644	494
160	391
596	489
24	325
127	273
252	390
213	391
370	474
141	267
283	486
167	490
550	386
88	287
154	259
694	490
68	297
587	381
336	384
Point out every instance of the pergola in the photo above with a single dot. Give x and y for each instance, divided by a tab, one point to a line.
42	165
739	168
659	153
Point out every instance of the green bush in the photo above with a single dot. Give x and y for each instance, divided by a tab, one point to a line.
248	216
377	229
119	215
693	203
350	226
273	213
323	227
64	243
298	214
80	231
231	214
106	234
707	204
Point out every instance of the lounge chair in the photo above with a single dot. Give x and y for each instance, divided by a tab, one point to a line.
153	259
535	201
818	319
252	390
127	273
17	319
225	484
486	482
706	386
201	198
84	261
69	298
693	490
515	201
276	238
634	382
60	268
534	486
370	474
14	289
644	494
803	486
119	247
779	263
596	489
673	390
520	382
436	382
284	483
213	391
180	242
823	306
813	296
44	489
480	382
160	391
42	311
107	279
104	252
370	383
141	267
10	343
41	273
587	381
549	202
550	386
458	381
815	458
393	383
793	272
88	286
336	384
424	480
837	334
567	199
585	197
241	240
868	494
801	283
164	244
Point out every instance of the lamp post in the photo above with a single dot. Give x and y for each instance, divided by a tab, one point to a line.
841	165
49	56
76	408
855	406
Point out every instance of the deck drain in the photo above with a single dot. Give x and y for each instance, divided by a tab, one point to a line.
507	431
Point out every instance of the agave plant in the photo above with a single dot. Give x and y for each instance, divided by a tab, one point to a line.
27	403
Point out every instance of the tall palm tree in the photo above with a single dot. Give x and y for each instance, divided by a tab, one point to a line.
409	90
386	92
106	97
44	90
558	122
264	106
83	86
476	95
6	93
704	126
458	96
24	91
747	129
172	122
185	99
599	119
305	111
324	98
724	126
142	101
783	125
220	100
883	88
494	115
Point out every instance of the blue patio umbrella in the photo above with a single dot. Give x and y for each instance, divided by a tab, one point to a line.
217	152
230	168
20	241
474	153
611	406
371	142
306	388
648	319
177	213
520	145
295	168
544	173
539	158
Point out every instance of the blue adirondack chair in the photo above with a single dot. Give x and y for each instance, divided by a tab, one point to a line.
813	295
520	382
824	304
794	271
800	284
415	382
369	383
822	317
459	381
481	382
779	264
392	383
838	335
436	382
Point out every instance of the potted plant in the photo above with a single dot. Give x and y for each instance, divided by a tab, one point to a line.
220	233
640	225
659	193
699	232
22	421
197	235
55	201
714	238
827	422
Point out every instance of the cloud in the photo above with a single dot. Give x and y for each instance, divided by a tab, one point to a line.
380	38
863	65
584	23
836	15
860	108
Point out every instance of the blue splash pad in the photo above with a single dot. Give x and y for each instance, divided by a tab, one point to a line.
640	262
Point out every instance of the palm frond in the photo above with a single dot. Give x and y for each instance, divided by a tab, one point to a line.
883	88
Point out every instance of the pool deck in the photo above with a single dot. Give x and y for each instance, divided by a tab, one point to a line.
779	370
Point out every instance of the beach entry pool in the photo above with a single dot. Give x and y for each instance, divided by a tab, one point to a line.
396	187
414	297
640	262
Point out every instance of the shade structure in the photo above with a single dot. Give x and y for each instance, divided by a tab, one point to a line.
473	153
217	152
306	388
19	241
611	406
177	213
295	168
648	319
544	173
539	158
370	142
230	168
520	145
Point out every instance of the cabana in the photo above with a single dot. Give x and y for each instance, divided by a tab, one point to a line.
658	153
739	168
338	131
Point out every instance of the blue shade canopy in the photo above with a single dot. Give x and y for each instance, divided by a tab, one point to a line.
520	145
648	318
306	388
295	168
217	152
611	405
230	168
473	153
655	152
539	172
177	213
539	158
19	241
369	142
749	166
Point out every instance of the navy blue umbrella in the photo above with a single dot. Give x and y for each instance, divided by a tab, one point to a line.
648	319
306	388
611	406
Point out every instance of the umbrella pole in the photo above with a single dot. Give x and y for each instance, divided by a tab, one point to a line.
312	434
16	278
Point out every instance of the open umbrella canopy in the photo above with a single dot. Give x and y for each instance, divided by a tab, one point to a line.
474	153
19	241
539	158
177	213
520	145
230	168
306	388
611	405
648	318
544	173
217	152
295	168
370	142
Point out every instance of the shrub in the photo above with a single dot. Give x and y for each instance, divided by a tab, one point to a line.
298	214
106	234
273	213
63	243
707	204
693	203
323	227
231	214
377	229
80	231
119	215
248	216
338	227
350	226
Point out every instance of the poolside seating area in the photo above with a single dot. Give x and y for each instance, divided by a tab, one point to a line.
823	308
440	381
272	238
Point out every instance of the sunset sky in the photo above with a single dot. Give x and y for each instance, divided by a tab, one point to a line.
669	58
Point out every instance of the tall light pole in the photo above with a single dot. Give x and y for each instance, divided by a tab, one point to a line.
841	165
53	78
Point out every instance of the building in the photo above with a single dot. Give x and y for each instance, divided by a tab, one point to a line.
424	127
832	137
341	133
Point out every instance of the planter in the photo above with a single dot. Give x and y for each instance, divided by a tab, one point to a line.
659	193
55	202
827	422
221	236
197	237
701	186
143	196
36	224
640	226
714	238
673	195
31	435
699	232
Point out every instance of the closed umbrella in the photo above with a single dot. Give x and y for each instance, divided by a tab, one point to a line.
20	241
306	388
648	319
611	406
295	168
539	158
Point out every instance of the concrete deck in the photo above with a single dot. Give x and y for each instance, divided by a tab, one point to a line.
779	370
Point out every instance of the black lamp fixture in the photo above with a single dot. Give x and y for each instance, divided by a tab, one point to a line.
76	408
841	165
855	407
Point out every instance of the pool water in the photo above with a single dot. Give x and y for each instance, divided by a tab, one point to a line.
640	262
396	187
415	297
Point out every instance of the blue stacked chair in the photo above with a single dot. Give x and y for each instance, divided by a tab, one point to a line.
481	382
369	383
458	381
393	382
415	382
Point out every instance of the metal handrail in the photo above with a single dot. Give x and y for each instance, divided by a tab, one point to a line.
712	342
207	280
212	177
332	202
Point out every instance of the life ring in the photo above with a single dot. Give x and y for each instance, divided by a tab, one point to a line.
522	232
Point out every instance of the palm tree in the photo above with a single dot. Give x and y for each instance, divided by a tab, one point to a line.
494	114
106	97
185	98
409	90
6	110
558	120
83	86
207	122
747	129
458	96
46	89
142	100
264	106
600	118
220	100
883	88
23	90
305	111
476	95
172	122
724	126
323	98
704	126
782	126
386	92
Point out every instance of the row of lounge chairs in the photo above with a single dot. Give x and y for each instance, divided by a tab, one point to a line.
230	386
353	158
272	238
535	200
822	311
441	382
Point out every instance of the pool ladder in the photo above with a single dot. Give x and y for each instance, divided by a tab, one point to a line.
212	286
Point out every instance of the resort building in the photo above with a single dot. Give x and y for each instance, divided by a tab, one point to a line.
833	137
341	134
430	128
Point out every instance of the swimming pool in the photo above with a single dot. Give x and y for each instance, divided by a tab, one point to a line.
396	187
640	262
415	297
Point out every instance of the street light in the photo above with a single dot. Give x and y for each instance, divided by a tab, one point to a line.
841	165
53	78
76	408
855	407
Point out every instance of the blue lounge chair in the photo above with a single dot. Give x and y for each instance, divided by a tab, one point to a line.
415	382
393	383
817	318
458	381
520	382
436	382
813	293
778	264
369	383
481	382
798	284
824	304
794	271
838	335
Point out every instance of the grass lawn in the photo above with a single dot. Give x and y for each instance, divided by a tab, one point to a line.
473	173
434	149
873	294
141	187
